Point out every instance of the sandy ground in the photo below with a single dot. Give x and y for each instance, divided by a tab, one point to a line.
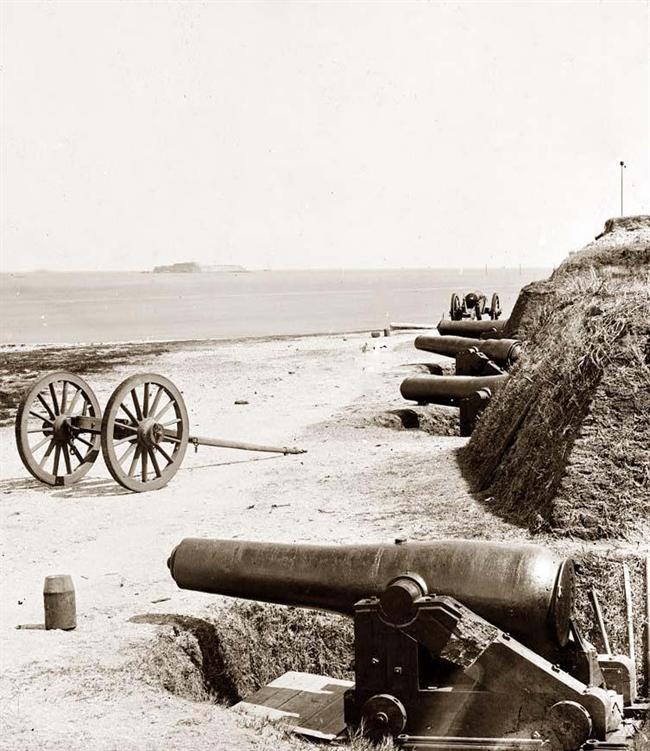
360	481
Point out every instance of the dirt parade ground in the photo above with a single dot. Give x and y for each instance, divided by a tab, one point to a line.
364	478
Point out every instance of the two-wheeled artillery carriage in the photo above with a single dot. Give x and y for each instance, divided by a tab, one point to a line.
143	433
474	305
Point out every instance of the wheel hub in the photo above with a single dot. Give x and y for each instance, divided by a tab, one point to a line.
61	429
150	433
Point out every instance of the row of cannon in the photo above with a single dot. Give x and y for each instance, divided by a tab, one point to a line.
483	357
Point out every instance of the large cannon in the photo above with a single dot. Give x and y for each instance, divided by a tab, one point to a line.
472	329
503	352
447	390
464	640
471	394
515	586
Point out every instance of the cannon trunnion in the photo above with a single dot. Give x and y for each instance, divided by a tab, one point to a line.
457	642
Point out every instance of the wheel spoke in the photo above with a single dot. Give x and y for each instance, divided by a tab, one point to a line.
74	401
164	453
76	453
41	417
55	401
34	449
134	461
145	457
64	396
57	456
41	430
171	438
158	417
136	404
48	451
129	413
128	452
83	440
66	457
156	400
47	407
154	462
145	401
124	440
172	422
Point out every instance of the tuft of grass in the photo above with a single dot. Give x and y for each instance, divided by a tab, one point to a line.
603	571
242	646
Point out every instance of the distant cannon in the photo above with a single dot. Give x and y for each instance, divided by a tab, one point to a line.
465	640
447	390
474	305
472	329
471	394
144	431
503	352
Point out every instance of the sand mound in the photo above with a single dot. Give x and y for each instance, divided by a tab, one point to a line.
565	447
241	647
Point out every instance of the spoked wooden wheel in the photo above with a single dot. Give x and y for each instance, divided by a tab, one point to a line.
54	429
145	431
495	307
455	309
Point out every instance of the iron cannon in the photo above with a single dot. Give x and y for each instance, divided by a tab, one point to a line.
513	585
448	390
474	305
459	644
470	393
472	329
503	352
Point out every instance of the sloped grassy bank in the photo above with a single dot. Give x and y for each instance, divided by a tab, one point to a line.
565	448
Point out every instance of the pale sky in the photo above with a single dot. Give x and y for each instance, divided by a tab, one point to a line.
318	135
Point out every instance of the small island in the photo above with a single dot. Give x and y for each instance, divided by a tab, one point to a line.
191	267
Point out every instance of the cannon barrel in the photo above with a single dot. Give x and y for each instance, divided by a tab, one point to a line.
447	390
523	589
500	351
470	328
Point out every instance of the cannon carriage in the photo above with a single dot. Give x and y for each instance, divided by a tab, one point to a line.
459	644
142	434
474	305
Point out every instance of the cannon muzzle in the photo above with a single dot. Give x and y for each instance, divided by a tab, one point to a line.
500	351
447	390
470	328
525	590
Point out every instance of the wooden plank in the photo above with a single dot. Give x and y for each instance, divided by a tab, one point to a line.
270	696
328	719
312	705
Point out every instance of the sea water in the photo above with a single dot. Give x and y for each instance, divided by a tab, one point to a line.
67	308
